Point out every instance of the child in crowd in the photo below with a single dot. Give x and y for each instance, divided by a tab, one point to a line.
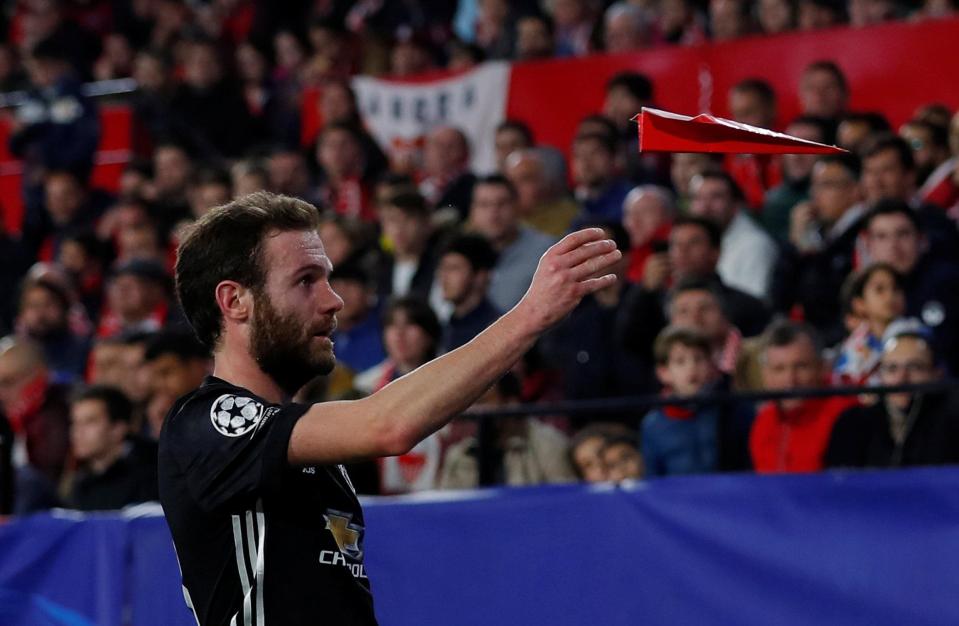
591	445
874	298
682	439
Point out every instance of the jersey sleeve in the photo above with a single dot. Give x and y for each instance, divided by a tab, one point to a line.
231	447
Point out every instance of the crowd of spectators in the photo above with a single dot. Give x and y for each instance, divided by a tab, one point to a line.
739	273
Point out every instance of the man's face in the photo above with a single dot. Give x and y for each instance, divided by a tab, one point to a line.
905	361
408	233
820	94
643	215
173	376
798	167
41	313
407	343
926	154
690	252
687	370
700	310
529	178
171	170
587	458
622	461
339	154
793	366
893	239
684	167
444	153
287	172
883	176
833	191
457	277
620	106
593	165
493	213
748	107
713	200
92	435
507	141
533	40
295	311
63	198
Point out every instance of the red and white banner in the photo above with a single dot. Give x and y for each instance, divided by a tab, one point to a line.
400	114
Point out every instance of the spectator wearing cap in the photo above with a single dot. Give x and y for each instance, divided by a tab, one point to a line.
901	429
44	319
35	405
115	470
599	188
791	435
893	234
465	267
543	201
748	254
821	248
495	215
137	299
446	179
359	331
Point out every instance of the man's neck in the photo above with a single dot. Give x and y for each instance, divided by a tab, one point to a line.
469	304
102	463
236	366
506	240
408	256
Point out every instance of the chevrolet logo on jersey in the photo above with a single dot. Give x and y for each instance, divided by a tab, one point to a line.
348	536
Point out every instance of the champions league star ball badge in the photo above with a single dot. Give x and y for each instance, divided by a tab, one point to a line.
235	416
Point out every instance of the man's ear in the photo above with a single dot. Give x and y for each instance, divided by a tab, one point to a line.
234	300
662	373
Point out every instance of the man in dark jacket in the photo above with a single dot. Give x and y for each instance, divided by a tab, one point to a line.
902	429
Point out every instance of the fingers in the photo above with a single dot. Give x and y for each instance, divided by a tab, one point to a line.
595	265
574	240
587	251
592	285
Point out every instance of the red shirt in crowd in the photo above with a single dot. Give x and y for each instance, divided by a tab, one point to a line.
794	440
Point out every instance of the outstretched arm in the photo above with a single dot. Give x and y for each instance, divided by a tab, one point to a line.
396	418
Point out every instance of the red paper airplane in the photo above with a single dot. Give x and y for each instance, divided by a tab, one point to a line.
662	131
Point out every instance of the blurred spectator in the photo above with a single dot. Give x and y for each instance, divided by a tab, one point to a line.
517	450
35	405
823	92
154	118
791	435
288	173
930	146
753	101
462	56
343	239
621	458
902	429
543	201
209	187
573	20
818	14
212	106
748	253
119	362
337	104
776	16
82	257
874	298
339	153
684	168
23	489
172	167
870	12
599	188
648	213
681	22
67	207
729	19
176	364
270	104
942	186
56	127
625	28
359	333
248	176
626	94
409	266
691	439
821	249
585	447
411	54
494	215
855	130
697	303
43	319
447	181
137	299
796	173
115	470
465	265
585	349
511	135
893	234
116	60
534	38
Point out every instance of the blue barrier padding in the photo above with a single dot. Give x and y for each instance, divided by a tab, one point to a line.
863	548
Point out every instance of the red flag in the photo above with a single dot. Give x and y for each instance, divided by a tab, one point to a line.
662	131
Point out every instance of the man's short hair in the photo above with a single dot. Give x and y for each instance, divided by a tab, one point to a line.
58	292
722	175
846	160
855	284
606	142
118	406
682	336
609	127
888	141
346	126
832	68
181	345
785	332
938	135
499	180
519	126
419	313
697	283
227	244
876	121
475	248
762	89
412	203
211	175
638	85
352	271
892	206
822	126
713	234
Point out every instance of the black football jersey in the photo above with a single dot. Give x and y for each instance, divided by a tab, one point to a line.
259	541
